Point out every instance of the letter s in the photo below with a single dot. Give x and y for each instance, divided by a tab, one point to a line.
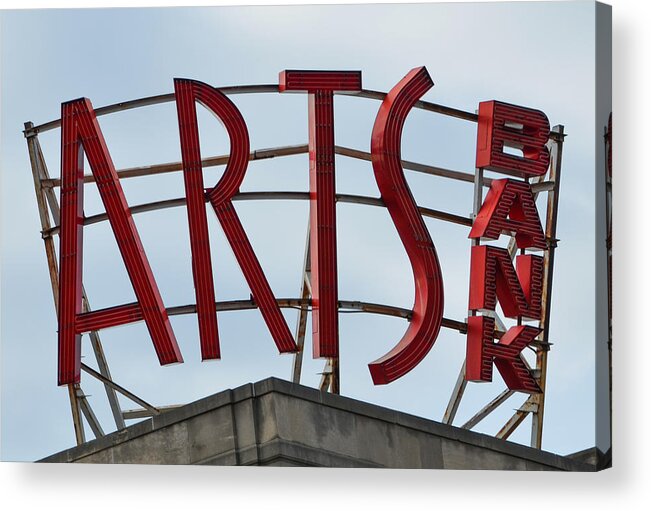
428	305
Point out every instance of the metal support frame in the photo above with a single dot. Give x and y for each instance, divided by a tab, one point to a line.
460	385
548	277
87	410
330	375
512	424
534	404
48	205
301	321
80	435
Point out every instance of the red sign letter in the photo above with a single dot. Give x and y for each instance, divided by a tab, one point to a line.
527	130
79	128
493	277
510	207
428	303
482	351
320	86
187	91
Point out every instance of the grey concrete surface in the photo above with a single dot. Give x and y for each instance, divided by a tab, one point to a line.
277	423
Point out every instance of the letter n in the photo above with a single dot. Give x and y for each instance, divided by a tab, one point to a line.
493	278
80	132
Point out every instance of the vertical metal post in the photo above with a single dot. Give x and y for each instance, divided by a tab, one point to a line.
301	321
330	376
76	414
324	384
334	378
460	385
550	234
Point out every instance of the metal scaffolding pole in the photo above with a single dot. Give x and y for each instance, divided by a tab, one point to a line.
48	200
301	321
460	385
50	252
550	234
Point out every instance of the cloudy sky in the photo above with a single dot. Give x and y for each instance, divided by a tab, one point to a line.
536	55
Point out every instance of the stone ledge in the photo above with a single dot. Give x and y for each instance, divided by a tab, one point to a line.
240	441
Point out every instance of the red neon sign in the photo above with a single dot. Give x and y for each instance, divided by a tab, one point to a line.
187	93
500	126
509	208
482	352
80	130
493	278
320	86
428	302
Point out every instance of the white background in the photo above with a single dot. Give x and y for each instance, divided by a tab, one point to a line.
26	485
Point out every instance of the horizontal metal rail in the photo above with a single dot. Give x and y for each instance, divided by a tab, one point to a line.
345	306
247	196
254	89
151	100
422	105
212	161
282	151
457	175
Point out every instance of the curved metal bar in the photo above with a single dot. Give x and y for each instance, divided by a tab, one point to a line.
247	196
249	89
291	150
151	100
256	89
212	161
430	107
344	306
423	105
417	167
298	303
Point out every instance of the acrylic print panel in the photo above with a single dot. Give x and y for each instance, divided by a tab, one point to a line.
333	235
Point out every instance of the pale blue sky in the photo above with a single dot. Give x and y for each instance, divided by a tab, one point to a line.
537	55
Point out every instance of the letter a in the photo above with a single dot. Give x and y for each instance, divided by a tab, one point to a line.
510	207
80	129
